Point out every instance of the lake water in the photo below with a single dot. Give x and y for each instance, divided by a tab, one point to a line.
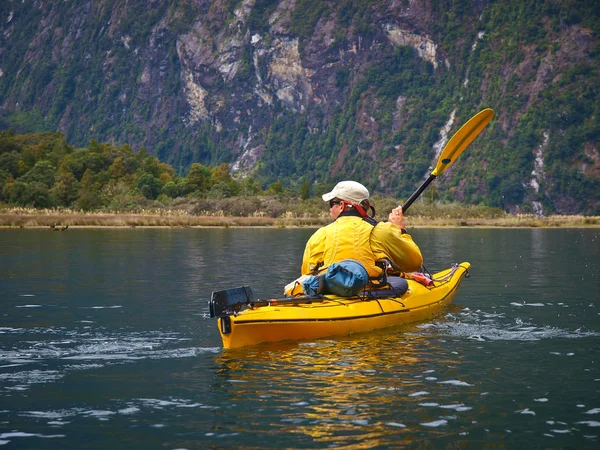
104	344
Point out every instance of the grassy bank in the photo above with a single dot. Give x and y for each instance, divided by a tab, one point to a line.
144	219
59	219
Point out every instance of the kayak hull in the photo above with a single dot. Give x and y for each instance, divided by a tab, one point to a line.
339	316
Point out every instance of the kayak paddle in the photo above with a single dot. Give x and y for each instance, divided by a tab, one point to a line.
455	146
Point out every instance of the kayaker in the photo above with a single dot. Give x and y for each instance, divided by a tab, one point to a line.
355	235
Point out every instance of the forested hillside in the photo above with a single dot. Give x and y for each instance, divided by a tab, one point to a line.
309	92
42	170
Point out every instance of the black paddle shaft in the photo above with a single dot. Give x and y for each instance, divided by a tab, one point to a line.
416	194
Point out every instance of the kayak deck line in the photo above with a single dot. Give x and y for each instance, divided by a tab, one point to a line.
333	319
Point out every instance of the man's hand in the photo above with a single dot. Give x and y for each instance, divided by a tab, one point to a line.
396	217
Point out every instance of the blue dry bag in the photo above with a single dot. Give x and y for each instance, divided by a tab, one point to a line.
346	278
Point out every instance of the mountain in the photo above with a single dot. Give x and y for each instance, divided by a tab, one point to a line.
318	91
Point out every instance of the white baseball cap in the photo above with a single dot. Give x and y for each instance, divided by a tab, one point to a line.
348	190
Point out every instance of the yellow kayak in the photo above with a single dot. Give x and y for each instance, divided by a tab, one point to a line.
317	317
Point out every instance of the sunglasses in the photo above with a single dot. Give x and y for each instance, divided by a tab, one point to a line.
332	203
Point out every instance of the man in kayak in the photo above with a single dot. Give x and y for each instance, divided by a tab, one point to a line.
355	235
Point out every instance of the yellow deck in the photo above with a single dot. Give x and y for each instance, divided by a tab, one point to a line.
340	316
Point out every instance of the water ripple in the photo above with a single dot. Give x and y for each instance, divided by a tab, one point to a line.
24	363
482	326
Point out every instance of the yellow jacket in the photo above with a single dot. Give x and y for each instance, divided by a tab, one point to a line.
351	237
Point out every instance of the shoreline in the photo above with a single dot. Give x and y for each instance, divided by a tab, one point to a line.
61	221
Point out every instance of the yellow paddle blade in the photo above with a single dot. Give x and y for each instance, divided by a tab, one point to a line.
461	139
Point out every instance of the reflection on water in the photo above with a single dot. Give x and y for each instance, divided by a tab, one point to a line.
362	391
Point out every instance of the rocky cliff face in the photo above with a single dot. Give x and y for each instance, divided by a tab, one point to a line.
307	90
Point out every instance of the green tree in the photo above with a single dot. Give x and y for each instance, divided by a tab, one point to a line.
94	146
149	186
275	188
305	190
66	188
249	187
88	197
12	189
37	195
219	190
116	195
432	195
9	162
171	189
221	174
7	142
199	178
118	169
43	172
60	149
165	173
81	160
